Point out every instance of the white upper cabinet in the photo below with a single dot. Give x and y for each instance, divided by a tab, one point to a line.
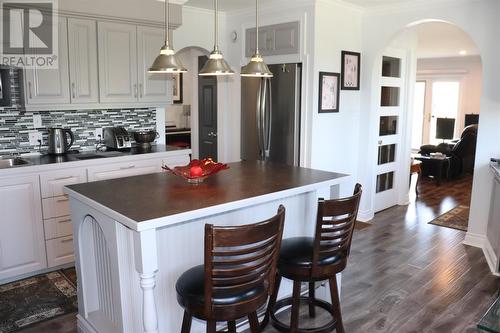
50	86
152	87
82	41
117	62
277	39
22	246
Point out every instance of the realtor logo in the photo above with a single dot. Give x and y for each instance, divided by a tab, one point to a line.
29	33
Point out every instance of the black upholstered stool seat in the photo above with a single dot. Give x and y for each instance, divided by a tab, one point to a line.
298	251
191	290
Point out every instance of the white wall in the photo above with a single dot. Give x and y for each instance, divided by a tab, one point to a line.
335	136
470	70
480	20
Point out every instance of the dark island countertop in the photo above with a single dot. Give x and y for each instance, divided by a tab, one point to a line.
164	198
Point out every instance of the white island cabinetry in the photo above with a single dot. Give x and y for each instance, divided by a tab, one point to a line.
129	256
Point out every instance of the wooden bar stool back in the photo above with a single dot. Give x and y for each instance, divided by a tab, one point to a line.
318	258
237	277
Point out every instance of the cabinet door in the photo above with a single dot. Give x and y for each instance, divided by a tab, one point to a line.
286	38
265	41
120	170
117	62
22	243
50	86
152	87
82	41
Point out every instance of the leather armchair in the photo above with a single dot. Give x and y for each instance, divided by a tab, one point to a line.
462	152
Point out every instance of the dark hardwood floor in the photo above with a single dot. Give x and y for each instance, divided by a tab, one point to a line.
404	275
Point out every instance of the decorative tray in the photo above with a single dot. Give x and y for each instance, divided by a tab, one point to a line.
197	170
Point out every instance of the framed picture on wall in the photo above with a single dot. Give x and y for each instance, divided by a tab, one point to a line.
329	92
351	62
177	88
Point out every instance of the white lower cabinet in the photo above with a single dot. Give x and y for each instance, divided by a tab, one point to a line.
60	251
36	231
120	170
22	244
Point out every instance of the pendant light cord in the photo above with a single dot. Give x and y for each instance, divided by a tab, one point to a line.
167	22
216	37
256	26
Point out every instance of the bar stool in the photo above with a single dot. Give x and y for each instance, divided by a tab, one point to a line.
307	259
237	277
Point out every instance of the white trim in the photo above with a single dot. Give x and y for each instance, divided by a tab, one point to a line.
83	325
94	106
482	242
491	257
473	239
401	7
366	215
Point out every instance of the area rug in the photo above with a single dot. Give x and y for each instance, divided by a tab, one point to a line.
36	299
457	218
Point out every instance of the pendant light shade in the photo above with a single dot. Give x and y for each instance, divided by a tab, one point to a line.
216	65
256	67
167	61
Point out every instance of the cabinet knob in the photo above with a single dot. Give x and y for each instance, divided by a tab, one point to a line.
73	93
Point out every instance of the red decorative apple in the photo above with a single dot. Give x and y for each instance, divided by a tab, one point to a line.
195	171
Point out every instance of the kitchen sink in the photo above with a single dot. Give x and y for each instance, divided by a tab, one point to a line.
12	162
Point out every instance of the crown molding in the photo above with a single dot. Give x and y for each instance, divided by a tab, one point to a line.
345	5
272	5
410	6
198	10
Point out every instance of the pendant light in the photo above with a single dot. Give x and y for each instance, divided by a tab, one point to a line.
256	67
216	65
167	61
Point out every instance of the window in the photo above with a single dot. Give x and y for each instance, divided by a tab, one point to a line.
445	99
418	116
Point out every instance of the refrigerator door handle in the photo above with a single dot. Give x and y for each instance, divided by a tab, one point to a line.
260	130
268	119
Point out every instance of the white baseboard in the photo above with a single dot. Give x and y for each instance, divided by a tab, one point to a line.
491	257
83	325
366	216
476	240
482	242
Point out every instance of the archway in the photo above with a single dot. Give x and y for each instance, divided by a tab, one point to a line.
183	114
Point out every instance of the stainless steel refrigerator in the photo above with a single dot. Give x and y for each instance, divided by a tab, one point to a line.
270	116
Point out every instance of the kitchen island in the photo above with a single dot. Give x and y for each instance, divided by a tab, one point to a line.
135	236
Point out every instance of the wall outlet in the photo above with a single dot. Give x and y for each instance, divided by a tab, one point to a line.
34	136
98	131
37	121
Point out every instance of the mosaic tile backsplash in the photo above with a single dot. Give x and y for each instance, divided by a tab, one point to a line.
15	123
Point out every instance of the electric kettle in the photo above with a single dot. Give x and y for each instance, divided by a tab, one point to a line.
58	140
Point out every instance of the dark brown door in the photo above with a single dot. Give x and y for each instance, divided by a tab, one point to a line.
207	113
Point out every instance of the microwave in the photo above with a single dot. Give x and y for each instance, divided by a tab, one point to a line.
5	87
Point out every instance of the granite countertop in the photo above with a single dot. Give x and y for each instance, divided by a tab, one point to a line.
154	196
89	155
47	162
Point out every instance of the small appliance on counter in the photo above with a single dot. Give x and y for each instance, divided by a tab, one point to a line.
117	138
144	138
58	140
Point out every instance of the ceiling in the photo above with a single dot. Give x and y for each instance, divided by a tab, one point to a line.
442	40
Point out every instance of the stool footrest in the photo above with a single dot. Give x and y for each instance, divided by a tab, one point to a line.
280	326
